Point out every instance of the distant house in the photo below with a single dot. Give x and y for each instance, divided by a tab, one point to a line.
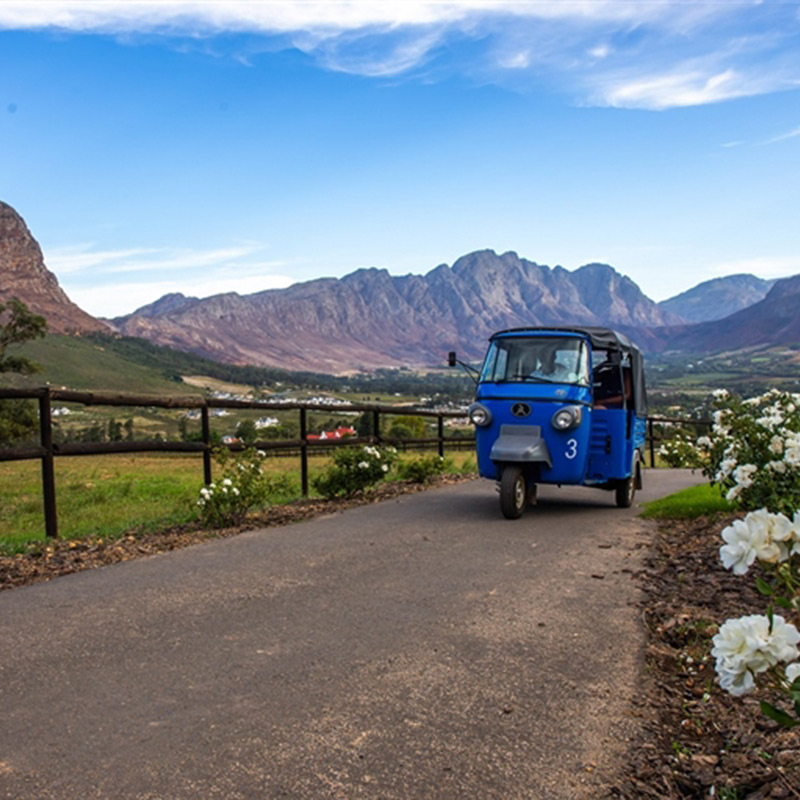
266	422
339	433
231	440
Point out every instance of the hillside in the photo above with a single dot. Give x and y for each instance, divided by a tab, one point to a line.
81	363
370	319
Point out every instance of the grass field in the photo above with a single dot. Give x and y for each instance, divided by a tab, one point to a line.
688	504
112	495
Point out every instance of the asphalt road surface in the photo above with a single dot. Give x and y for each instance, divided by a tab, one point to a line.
423	647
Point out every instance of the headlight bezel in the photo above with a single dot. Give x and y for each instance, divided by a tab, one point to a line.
567	418
479	415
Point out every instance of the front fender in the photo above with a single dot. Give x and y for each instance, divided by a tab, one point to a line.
521	443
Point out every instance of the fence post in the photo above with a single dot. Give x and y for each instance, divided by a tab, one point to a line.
303	453
652	443
48	470
206	426
376	425
440	421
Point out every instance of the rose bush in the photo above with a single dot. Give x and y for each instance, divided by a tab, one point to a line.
242	486
355	469
758	645
754	452
423	468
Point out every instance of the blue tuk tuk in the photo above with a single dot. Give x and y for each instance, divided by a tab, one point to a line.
560	406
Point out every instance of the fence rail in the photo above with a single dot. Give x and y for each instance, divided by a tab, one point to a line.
48	450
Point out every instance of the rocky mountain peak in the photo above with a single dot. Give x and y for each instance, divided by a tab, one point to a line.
23	274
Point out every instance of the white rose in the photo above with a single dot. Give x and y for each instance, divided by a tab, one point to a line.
743	475
738	554
746	646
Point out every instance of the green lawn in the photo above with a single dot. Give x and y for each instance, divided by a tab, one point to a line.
688	504
112	495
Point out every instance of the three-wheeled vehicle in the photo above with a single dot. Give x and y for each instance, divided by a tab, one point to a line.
560	406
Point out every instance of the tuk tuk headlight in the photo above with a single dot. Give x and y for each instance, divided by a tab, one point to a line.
566	418
480	415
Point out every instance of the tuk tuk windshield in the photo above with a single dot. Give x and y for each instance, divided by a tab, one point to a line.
538	359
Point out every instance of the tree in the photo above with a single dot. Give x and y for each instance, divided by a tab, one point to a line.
18	418
246	431
408	428
17	325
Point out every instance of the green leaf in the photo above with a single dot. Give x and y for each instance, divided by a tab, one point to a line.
779	715
783	602
763	587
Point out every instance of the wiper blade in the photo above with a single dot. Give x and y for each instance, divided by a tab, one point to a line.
532	378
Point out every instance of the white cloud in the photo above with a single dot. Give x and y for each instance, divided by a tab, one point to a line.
677	90
600	51
88	276
82	259
651	55
120	299
324	17
790	135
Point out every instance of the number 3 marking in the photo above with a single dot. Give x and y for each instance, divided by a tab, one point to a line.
572	449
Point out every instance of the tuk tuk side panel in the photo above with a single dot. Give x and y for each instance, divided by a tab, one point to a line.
610	449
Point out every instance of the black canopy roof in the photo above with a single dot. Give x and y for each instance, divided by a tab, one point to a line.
603	338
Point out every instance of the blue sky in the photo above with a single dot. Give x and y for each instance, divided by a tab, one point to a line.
206	147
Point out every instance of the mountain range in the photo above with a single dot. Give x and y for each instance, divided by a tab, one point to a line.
370	319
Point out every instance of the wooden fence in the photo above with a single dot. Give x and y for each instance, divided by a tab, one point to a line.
47	450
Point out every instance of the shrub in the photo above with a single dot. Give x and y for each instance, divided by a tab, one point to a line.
682	451
754	452
242	486
423	468
354	470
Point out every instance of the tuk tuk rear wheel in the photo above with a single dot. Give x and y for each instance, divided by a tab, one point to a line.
626	490
513	492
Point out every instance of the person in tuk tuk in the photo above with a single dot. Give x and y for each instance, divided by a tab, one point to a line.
558	365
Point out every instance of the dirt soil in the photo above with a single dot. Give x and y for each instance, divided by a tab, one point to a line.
699	741
696	742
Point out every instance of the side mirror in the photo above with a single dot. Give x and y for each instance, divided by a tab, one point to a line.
451	358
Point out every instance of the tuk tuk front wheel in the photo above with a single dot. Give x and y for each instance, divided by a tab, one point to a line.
513	492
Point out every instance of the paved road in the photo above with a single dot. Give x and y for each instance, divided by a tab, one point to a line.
419	648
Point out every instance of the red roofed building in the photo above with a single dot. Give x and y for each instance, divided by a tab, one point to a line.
339	433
